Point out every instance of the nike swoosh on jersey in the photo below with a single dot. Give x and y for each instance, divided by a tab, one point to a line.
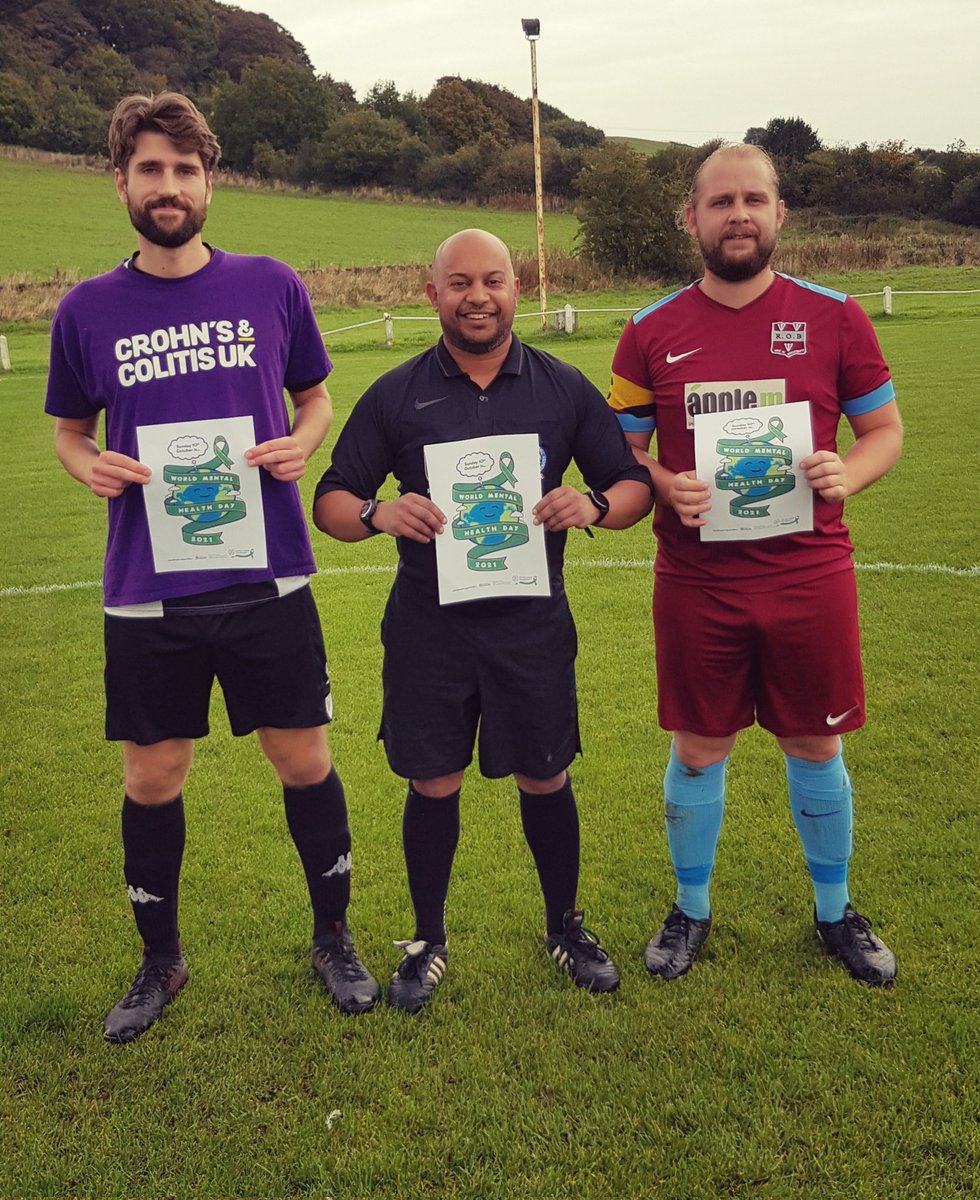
832	720
419	404
672	358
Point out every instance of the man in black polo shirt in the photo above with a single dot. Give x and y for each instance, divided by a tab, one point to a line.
503	665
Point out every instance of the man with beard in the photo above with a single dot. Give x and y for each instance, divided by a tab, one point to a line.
182	332
761	629
505	666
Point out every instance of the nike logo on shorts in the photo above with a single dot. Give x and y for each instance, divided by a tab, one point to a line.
672	358
832	720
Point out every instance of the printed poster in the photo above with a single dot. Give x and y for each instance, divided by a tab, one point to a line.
203	501
750	460
487	487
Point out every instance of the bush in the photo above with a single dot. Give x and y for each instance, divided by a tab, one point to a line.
68	120
360	147
18	109
965	204
628	215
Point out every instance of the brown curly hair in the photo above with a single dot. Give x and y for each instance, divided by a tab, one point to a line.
168	113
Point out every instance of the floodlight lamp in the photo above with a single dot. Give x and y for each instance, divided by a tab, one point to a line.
531	27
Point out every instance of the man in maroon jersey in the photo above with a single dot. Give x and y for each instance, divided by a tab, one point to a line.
758	628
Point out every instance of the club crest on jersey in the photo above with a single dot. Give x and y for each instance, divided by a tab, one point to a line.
788	338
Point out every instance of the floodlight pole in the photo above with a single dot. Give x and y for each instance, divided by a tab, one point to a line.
532	31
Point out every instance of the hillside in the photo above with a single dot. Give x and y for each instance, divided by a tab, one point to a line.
65	63
644	145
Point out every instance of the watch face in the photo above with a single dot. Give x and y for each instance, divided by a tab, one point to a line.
368	509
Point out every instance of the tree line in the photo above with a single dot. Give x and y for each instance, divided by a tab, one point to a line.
629	207
65	63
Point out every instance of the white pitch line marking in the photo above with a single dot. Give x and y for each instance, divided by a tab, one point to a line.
606	564
905	568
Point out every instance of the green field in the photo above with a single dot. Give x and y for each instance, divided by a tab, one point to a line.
73	219
764	1073
643	145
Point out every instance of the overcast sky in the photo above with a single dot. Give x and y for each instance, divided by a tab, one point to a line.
856	70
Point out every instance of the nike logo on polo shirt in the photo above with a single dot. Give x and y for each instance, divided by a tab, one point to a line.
832	720
672	358
425	403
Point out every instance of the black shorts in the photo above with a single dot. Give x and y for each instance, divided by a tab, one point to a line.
269	659
505	668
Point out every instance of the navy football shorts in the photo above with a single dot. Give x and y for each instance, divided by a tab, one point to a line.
497	673
268	658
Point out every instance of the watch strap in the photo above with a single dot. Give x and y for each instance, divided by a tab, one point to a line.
601	503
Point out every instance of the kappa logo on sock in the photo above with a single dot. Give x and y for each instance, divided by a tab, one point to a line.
138	896
341	866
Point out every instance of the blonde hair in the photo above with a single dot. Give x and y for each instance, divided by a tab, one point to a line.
734	150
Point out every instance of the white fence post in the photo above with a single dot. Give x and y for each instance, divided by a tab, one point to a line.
887	298
4	354
389	330
565	319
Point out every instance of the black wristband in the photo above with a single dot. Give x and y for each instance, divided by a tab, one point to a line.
601	503
368	509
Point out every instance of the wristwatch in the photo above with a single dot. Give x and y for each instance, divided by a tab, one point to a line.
601	503
368	509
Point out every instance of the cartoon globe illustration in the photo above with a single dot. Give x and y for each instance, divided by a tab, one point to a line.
200	493
750	469
488	512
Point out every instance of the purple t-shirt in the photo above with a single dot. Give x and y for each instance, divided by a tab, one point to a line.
222	342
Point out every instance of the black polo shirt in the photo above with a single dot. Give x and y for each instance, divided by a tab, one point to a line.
430	399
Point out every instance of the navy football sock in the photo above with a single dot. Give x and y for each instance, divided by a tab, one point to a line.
153	843
430	834
820	799
694	804
550	823
317	819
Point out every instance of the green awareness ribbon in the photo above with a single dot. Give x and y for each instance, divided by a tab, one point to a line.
204	517
776	482
491	491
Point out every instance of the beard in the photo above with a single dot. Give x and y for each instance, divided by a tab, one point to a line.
170	238
740	269
456	337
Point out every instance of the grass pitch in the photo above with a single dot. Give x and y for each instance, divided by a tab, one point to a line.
764	1073
53	205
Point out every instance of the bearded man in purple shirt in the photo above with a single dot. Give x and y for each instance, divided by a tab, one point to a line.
182	333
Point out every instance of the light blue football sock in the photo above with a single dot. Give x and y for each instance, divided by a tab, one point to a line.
694	806
820	799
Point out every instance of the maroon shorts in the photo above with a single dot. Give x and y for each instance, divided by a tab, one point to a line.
789	658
